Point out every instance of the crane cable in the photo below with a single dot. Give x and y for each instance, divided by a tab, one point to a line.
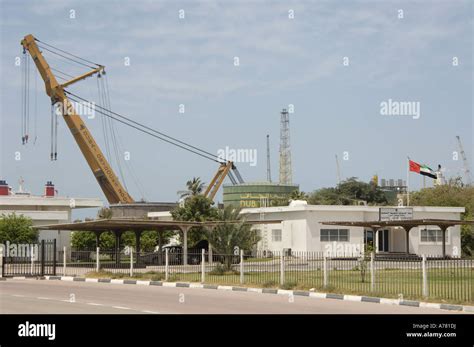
147	130
113	131
25	97
66	57
85	62
103	119
65	52
108	128
117	143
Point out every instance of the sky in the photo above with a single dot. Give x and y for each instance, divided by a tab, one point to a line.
333	62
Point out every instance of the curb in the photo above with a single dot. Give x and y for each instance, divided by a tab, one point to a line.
272	291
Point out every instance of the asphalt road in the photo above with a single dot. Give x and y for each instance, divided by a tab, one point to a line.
41	296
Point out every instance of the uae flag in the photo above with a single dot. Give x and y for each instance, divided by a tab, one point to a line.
422	169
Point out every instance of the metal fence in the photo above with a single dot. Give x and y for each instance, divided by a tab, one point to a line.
404	277
38	259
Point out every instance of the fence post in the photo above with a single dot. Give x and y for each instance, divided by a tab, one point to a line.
282	268
43	253
54	257
425	276
97	260
372	271
325	272
203	265
1	260
131	261
32	256
166	265
64	261
241	266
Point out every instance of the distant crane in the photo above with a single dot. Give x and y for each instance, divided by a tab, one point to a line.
338	171
467	172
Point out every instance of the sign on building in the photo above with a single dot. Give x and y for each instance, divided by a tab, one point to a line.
390	213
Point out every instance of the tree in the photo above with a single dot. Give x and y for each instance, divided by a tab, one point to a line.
451	194
349	192
194	186
298	195
17	229
197	208
226	237
148	239
87	240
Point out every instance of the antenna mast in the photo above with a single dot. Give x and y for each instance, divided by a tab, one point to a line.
285	149
269	174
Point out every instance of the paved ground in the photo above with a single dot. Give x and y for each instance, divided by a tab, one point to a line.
36	296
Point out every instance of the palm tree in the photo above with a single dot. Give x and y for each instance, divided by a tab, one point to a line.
298	195
225	237
195	187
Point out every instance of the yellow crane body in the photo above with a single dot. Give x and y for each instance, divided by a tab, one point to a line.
218	179
101	168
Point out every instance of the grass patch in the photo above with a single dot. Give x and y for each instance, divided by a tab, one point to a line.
446	285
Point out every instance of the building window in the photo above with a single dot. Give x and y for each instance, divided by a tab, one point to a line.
339	235
276	235
432	235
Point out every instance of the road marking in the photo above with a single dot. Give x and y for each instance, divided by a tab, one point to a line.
121	308
94	304
42	298
152	312
18	295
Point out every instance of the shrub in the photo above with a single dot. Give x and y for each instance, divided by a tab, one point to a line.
288	285
269	284
173	278
157	277
219	270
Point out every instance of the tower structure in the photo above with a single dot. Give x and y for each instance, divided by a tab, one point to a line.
285	149
269	173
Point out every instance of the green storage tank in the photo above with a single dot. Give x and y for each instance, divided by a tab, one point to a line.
256	194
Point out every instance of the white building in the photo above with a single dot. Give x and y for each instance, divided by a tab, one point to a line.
301	229
46	209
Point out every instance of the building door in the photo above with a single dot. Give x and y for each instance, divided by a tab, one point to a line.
383	240
369	239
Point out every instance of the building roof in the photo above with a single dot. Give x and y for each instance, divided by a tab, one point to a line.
32	200
347	208
402	223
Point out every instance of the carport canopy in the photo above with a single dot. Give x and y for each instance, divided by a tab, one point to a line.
121	225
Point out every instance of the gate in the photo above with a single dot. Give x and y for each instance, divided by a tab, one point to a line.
38	259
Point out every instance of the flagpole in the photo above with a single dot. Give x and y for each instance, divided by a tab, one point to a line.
408	181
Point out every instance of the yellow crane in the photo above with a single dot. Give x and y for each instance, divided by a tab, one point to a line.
101	168
103	172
